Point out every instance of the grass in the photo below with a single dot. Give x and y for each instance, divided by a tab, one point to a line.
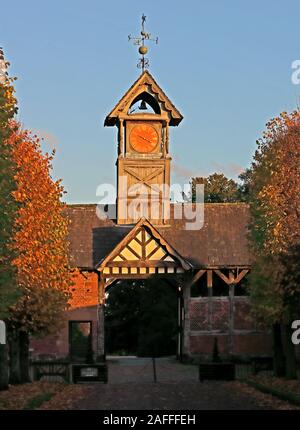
3	404
19	397
282	392
37	401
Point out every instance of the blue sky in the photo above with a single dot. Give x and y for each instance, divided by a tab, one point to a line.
225	64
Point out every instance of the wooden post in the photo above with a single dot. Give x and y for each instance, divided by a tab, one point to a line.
154	369
100	321
180	324
209	284
231	313
165	204
185	317
121	137
166	145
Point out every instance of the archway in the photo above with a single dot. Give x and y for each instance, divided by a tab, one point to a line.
141	318
149	103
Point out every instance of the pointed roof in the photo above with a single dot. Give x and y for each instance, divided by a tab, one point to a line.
148	83
162	246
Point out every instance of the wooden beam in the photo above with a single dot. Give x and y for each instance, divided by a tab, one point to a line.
121	137
138	240
109	281
142	242
148	241
209	278
134	276
241	275
101	290
154	251
133	251
231	277
196	277
141	263
222	276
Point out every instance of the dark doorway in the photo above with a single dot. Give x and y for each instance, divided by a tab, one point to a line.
80	335
141	318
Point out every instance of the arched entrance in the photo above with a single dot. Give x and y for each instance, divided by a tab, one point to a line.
144	257
141	318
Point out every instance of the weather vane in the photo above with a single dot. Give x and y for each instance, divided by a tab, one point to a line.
143	49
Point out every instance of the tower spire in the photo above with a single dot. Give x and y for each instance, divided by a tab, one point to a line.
143	62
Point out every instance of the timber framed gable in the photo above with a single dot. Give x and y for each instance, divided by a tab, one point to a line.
143	252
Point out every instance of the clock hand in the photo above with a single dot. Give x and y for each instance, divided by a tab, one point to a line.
142	137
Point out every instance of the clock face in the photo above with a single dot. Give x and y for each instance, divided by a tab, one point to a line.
143	138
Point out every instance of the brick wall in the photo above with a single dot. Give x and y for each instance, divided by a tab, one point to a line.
229	320
57	346
85	290
83	307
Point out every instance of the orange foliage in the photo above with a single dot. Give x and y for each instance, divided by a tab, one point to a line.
278	159
40	238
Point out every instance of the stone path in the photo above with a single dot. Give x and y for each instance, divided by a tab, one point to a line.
131	386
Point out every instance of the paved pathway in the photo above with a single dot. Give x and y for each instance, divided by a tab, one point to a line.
131	386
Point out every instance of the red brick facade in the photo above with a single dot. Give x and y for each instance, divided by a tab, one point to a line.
226	318
83	307
85	290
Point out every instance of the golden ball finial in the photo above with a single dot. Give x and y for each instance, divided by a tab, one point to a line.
143	50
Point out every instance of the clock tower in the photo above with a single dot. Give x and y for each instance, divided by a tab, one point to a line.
143	117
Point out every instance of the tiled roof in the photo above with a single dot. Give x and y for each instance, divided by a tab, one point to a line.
221	242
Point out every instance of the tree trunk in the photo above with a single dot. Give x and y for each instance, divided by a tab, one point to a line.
279	362
3	367
24	356
289	352
14	358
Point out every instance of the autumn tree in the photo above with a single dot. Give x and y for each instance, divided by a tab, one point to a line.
217	189
244	185
40	245
8	290
274	183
